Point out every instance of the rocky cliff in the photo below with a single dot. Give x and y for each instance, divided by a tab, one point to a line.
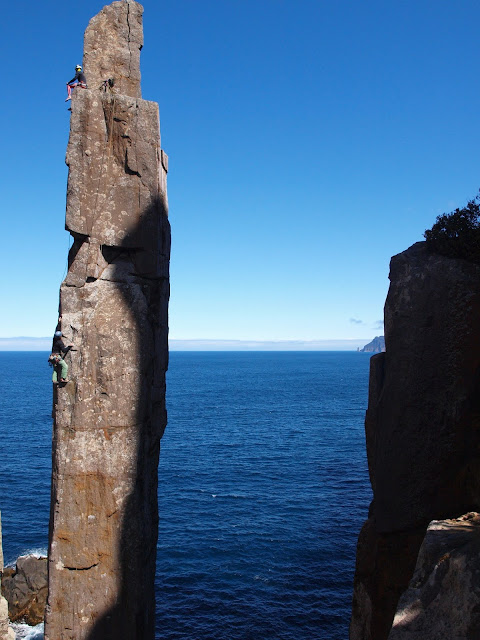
422	426
110	415
377	345
25	589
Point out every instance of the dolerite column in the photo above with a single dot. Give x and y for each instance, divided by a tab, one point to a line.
6	633
110	415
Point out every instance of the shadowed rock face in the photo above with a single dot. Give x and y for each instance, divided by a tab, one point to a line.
25	588
422	425
110	416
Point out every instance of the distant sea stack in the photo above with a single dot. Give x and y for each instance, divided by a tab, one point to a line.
377	345
110	415
423	442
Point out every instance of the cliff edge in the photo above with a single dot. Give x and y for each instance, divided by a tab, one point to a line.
110	415
422	426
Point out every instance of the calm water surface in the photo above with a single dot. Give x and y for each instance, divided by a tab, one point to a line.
263	487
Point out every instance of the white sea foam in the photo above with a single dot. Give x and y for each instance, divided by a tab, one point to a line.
37	552
262	578
25	632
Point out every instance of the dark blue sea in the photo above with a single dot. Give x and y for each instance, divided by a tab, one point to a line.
263	487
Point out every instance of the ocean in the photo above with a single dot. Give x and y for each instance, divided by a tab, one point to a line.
263	488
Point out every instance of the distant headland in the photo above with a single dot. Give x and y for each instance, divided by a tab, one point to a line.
377	345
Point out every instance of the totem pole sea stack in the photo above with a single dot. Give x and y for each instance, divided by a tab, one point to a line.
110	415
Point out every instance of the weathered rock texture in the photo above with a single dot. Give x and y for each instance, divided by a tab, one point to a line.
422	425
443	598
110	416
25	588
112	45
6	633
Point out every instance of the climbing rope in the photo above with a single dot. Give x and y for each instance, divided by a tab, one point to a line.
69	246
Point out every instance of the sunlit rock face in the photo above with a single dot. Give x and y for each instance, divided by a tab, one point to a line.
110	415
6	633
422	425
112	45
443	597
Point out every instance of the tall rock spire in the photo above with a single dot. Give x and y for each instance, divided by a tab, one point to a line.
6	632
110	415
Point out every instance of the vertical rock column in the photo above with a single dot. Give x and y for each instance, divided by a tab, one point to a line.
110	415
422	427
6	633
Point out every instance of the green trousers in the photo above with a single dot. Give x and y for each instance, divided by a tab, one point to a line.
60	368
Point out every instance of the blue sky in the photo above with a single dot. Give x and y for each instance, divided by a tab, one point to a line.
309	141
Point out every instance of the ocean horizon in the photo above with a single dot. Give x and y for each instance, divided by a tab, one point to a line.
28	343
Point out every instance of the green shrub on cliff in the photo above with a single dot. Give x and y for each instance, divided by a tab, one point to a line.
457	234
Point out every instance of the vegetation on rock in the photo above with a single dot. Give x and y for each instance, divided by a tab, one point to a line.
457	234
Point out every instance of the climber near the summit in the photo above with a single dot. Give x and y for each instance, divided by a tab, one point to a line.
79	80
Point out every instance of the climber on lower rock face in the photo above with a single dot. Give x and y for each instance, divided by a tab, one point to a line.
60	368
79	80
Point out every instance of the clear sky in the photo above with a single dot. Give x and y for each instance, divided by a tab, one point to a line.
309	141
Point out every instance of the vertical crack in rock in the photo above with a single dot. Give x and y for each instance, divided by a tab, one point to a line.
110	415
128	24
